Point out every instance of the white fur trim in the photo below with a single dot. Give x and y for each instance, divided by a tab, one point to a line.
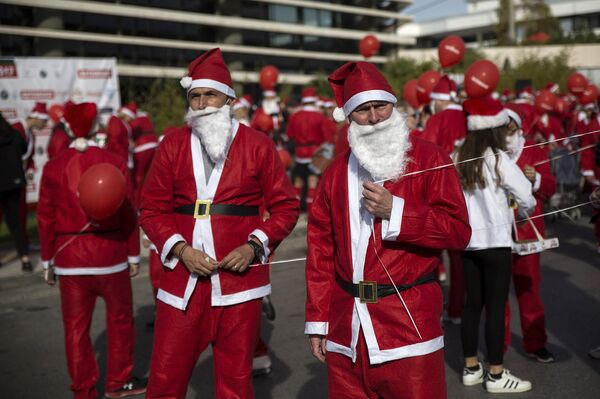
88	271
338	114
316	327
440	96
38	115
481	122
365	96
80	144
144	147
269	93
185	82
309	99
213	84
514	116
128	112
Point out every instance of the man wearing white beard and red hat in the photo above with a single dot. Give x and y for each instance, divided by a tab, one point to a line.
447	128
200	207
240	109
526	275
371	231
308	129
269	106
92	259
118	131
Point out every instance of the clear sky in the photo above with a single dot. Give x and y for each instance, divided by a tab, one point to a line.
425	10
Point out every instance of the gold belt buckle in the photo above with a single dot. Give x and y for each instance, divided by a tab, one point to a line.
206	212
371	291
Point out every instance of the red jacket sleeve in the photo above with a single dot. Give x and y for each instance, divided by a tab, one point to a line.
46	215
59	141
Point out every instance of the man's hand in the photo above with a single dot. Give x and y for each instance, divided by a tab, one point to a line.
317	346
134	269
49	276
238	259
195	261
378	200
529	172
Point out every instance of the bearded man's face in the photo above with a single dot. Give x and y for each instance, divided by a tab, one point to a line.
372	112
202	97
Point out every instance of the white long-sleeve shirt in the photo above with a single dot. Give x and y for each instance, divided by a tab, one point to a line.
489	213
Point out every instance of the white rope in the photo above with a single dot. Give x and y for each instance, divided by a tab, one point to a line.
564	155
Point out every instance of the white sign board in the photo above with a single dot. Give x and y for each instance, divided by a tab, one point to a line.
27	80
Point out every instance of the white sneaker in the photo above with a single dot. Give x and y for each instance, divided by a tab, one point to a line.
261	365
472	377
449	319
508	383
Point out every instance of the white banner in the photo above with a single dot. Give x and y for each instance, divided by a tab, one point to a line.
27	80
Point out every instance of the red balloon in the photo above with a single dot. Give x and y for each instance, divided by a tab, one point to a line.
451	51
425	85
481	78
576	83
369	46
286	158
545	102
409	93
561	106
56	112
589	95
101	190
268	76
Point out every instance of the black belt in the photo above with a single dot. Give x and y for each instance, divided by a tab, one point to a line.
76	233
369	291
203	209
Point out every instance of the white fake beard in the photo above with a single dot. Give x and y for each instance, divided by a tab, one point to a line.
382	148
514	145
270	106
213	126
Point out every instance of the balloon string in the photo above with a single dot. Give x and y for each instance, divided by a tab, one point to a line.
66	244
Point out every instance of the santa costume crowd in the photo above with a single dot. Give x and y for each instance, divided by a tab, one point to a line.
400	194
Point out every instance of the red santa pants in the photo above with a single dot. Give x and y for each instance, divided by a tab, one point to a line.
526	277
78	298
180	337
420	377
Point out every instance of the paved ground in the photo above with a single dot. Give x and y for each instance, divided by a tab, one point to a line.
32	362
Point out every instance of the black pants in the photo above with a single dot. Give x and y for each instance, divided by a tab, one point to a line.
10	203
487	280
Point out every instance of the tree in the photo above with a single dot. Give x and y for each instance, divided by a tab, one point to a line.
539	18
540	70
502	24
400	70
165	102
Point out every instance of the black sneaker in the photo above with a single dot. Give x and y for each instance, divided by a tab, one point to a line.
27	267
542	355
135	386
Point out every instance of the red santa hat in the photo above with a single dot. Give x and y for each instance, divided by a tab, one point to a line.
209	70
527	92
309	95
269	93
39	111
242	102
356	83
484	113
142	125
327	102
445	89
515	112
552	87
79	119
129	109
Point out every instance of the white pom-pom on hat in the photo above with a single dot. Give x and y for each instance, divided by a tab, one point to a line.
339	115
186	82
80	144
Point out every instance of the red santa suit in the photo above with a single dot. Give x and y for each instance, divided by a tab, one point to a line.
91	263
59	142
342	249
587	161
145	144
119	132
549	127
529	114
526	269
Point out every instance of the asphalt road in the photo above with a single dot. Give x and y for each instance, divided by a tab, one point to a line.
33	366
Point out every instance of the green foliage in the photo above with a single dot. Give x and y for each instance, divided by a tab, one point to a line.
400	70
164	100
539	18
502	25
540	70
321	84
471	55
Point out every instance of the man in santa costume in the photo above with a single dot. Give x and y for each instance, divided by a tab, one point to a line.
200	207
118	131
145	144
371	231
36	120
94	258
308	129
525	101
533	160
270	107
241	108
447	128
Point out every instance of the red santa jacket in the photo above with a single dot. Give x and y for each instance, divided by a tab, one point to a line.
251	175
143	153
543	187
341	140
308	129
429	214
530	116
103	248
447	129
59	142
118	133
587	160
549	127
29	138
